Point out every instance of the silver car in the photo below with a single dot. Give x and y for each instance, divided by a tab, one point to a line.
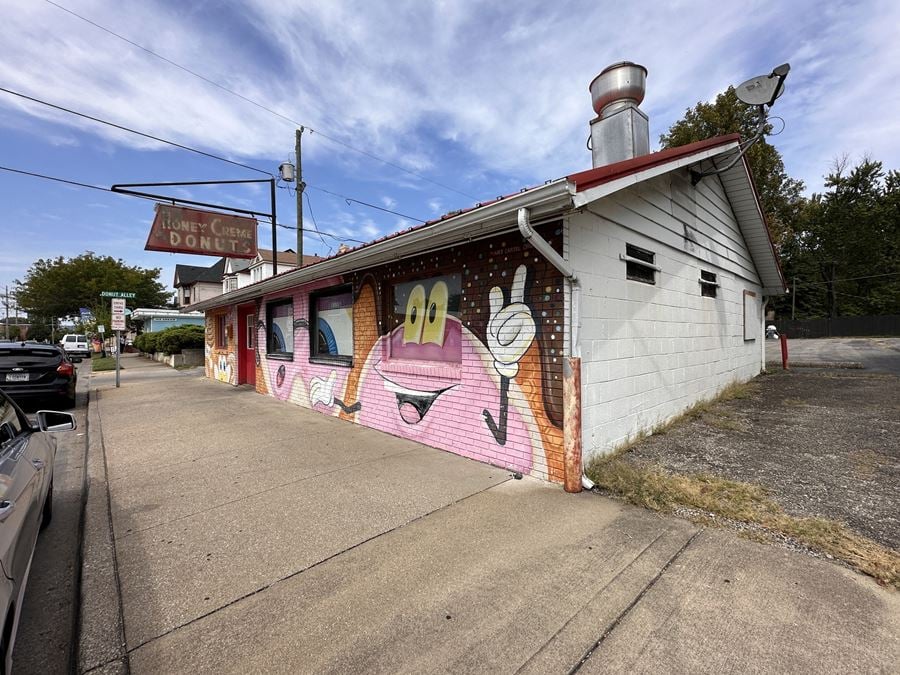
27	452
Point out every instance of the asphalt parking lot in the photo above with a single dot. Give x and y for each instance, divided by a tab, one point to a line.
875	355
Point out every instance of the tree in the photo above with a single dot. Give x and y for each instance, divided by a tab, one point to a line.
60	287
846	252
779	194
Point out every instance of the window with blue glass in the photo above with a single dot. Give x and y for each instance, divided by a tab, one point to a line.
331	323
280	329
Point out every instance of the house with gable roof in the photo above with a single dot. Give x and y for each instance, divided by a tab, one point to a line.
535	330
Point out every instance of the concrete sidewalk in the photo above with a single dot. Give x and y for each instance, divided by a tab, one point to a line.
244	534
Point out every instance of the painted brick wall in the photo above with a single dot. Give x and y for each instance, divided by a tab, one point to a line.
221	363
458	404
651	351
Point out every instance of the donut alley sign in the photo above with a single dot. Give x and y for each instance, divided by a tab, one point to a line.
177	229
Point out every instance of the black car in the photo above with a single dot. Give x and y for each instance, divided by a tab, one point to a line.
34	371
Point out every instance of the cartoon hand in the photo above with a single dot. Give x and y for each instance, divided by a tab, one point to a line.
510	330
322	391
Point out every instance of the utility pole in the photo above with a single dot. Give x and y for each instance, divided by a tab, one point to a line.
6	311
300	187
274	228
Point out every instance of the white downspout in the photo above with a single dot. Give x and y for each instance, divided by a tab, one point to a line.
765	303
568	272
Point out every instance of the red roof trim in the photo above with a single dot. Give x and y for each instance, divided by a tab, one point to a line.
605	174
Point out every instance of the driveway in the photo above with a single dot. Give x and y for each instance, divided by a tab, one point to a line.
877	355
252	535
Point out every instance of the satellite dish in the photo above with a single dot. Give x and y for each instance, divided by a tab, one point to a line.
764	89
760	92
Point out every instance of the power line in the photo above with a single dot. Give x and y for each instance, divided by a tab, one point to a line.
835	281
183	147
105	189
133	131
313	216
353	200
53	178
322	233
337	141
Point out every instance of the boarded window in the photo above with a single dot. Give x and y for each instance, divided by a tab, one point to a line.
332	322
280	329
708	284
222	331
752	324
640	264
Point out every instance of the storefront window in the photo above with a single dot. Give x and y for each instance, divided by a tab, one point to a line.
280	329
332	323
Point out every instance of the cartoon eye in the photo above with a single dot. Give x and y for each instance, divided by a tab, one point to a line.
415	315
436	314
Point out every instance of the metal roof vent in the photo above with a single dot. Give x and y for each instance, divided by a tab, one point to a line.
620	131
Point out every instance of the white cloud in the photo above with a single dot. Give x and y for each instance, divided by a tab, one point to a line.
504	85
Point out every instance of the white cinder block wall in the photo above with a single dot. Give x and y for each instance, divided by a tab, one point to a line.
651	351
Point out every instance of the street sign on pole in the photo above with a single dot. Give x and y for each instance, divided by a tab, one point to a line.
118	325
116	294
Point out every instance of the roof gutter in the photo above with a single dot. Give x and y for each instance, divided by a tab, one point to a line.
541	201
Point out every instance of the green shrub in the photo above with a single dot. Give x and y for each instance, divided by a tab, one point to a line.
173	340
146	342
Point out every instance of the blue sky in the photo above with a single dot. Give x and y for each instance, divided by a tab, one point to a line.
484	98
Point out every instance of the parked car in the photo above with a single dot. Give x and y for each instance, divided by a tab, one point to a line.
26	504
76	346
29	370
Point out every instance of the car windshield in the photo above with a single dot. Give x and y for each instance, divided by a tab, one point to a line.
36	356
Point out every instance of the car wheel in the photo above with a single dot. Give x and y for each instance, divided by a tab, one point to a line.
68	401
47	514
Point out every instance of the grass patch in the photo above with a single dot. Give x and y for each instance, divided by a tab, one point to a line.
99	363
701	409
650	486
724	422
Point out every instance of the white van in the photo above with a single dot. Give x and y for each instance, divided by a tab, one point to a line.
76	346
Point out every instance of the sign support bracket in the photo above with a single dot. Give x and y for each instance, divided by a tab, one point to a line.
125	189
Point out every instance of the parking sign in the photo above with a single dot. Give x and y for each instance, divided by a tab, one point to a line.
118	313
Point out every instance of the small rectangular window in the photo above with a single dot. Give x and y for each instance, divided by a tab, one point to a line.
222	331
640	264
331	320
708	284
280	329
251	331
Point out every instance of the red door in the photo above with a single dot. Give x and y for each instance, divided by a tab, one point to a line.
247	345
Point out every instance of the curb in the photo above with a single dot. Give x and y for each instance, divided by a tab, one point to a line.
843	365
101	631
